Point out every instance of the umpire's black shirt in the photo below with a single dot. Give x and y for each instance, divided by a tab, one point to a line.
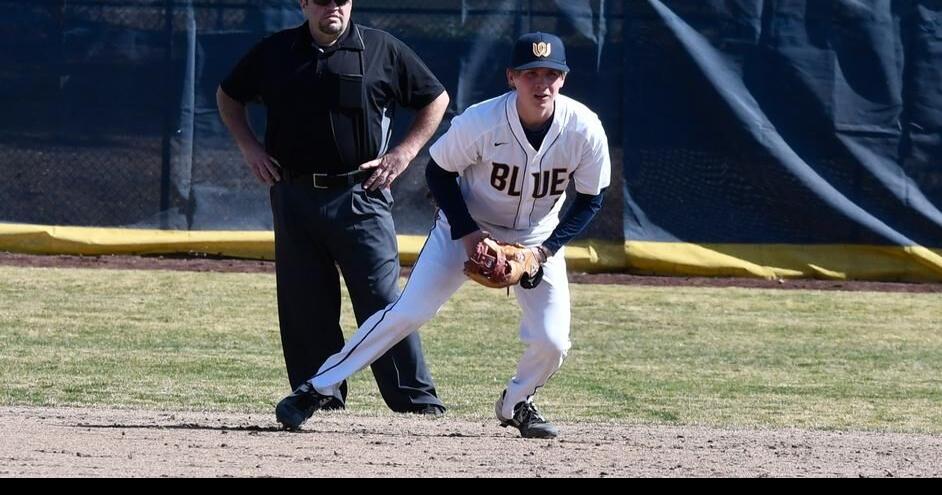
330	109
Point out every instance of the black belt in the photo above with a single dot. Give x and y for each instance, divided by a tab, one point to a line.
325	181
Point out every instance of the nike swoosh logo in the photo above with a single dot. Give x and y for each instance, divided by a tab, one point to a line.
499	144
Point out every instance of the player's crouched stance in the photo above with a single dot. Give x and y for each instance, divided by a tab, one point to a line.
500	172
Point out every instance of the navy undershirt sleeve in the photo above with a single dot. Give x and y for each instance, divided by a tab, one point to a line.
575	220
447	193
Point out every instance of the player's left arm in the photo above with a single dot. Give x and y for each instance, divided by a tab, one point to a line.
580	213
592	178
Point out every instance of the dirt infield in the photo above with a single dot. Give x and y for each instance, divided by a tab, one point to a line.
208	264
97	442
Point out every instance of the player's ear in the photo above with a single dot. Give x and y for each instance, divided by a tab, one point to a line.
510	79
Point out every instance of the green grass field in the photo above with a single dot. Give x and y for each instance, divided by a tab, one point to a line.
723	357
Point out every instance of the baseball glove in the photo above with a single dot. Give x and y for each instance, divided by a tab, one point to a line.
498	264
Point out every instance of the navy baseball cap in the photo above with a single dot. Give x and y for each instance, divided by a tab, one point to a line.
534	50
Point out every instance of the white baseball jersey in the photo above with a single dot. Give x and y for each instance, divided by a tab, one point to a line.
509	185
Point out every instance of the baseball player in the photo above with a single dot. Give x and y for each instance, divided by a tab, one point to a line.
501	170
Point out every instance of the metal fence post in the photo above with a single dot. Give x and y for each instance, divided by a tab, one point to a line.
168	120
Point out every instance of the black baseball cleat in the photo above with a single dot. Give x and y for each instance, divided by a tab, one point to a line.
296	408
527	419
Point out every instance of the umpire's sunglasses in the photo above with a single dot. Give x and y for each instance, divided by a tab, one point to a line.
324	3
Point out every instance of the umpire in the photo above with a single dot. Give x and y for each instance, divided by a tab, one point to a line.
330	88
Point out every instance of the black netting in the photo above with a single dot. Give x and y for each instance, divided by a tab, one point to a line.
110	105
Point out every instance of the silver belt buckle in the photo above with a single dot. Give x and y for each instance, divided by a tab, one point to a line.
315	181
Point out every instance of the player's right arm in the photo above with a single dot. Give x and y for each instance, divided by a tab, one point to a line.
444	187
451	154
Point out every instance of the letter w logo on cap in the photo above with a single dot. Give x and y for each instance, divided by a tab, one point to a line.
542	49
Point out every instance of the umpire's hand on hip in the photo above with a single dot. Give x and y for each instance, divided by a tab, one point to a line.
386	168
264	166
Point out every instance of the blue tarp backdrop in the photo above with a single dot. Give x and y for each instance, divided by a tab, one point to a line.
755	122
802	122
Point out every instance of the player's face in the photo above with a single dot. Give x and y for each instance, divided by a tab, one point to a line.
330	18
537	88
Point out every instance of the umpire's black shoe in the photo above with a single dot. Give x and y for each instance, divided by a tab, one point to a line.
527	419
429	410
296	408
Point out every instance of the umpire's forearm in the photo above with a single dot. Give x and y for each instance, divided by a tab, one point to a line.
424	126
233	115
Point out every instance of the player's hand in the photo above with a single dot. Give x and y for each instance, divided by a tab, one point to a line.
471	241
265	168
541	254
386	169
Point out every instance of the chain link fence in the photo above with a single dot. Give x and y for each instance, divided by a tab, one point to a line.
110	115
